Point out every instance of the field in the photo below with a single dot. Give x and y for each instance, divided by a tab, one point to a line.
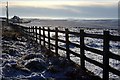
18	53
90	26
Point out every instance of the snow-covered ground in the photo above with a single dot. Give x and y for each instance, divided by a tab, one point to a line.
98	27
24	59
93	43
106	24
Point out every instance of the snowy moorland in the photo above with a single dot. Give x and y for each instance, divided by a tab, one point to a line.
24	59
92	27
93	43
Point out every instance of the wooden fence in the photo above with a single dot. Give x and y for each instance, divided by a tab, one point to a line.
106	53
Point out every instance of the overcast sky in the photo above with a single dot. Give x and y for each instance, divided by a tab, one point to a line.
76	9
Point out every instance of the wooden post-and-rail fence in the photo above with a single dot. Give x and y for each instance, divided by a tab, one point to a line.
32	32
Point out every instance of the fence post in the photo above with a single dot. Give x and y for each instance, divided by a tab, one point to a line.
56	41
49	38
67	43
40	35
82	52
33	33
43	36
36	32
106	56
29	30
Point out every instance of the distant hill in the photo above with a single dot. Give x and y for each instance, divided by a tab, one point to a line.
17	19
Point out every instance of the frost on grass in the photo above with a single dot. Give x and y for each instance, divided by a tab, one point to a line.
24	59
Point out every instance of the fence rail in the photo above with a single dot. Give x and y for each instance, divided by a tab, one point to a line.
32	32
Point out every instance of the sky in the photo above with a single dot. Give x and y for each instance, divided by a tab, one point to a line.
62	9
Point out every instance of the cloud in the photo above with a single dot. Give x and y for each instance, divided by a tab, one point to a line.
68	9
57	4
69	0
